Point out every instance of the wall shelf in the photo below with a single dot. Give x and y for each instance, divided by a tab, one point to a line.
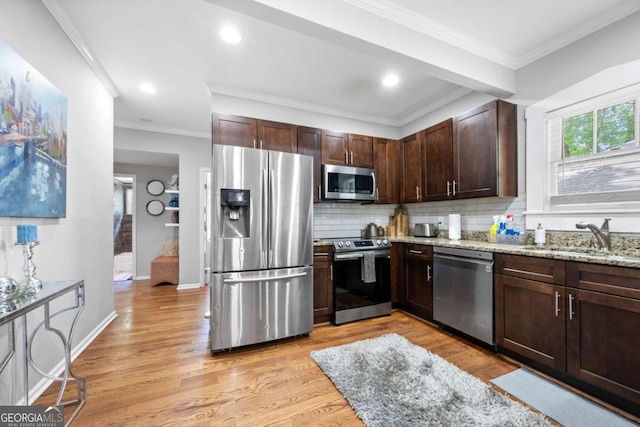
172	224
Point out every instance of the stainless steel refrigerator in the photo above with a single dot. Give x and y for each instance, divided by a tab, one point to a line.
262	246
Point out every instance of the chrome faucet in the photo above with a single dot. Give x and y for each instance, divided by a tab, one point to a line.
602	233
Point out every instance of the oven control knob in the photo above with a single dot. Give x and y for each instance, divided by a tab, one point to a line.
347	243
385	242
379	242
340	244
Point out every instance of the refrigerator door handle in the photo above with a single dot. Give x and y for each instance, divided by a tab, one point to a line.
265	279
272	183
265	215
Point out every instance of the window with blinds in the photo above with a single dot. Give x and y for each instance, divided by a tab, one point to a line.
594	156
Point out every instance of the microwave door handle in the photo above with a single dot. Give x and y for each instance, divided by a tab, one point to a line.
375	187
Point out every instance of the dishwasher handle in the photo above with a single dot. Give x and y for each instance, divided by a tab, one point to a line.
462	260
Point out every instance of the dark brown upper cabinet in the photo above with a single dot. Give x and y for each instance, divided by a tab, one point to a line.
485	147
339	148
412	169
386	162
253	133
438	147
310	144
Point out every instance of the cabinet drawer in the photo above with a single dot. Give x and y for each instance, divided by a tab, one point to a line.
418	251
620	281
532	268
322	254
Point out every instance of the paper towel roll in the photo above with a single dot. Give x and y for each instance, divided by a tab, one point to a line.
454	227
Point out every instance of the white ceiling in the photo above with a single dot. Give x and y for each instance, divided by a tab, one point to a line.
327	56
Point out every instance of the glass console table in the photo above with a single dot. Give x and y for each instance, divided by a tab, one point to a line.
17	310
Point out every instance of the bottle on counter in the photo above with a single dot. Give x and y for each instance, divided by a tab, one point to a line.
540	237
509	226
494	228
502	227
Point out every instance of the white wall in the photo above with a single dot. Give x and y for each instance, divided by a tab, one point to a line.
79	246
602	62
150	230
194	153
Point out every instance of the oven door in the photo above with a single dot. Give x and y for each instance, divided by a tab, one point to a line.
353	298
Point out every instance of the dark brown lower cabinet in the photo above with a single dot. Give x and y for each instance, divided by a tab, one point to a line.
527	321
583	321
603	327
322	283
417	292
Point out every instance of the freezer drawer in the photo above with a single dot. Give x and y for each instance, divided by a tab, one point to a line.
260	306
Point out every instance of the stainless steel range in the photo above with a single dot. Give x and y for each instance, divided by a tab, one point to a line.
361	279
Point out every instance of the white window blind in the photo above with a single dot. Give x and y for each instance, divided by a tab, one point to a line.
595	175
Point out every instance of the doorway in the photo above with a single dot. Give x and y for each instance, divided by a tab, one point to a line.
123	227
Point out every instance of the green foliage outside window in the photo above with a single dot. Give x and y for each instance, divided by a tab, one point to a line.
615	127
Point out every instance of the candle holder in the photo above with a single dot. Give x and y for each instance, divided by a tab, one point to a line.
31	284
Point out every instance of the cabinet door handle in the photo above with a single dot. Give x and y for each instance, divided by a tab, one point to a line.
323	254
571	313
351	154
428	273
413	251
557	303
254	143
454	187
261	144
448	188
346	157
331	272
319	192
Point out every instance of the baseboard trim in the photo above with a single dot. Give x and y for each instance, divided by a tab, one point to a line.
41	386
189	286
142	278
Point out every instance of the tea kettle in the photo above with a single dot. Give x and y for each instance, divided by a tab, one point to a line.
371	230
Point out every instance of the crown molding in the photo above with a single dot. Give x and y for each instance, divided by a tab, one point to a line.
580	32
160	129
58	14
392	12
291	103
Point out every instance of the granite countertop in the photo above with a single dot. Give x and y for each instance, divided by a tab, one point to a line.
624	258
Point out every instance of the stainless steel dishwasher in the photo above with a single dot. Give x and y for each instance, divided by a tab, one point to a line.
463	291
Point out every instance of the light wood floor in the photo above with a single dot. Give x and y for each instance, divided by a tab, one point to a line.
152	366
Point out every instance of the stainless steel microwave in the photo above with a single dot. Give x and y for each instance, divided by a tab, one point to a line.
348	183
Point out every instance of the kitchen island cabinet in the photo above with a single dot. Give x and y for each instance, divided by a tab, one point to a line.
386	162
253	133
322	283
417	293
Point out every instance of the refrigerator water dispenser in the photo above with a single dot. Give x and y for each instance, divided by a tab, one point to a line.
235	212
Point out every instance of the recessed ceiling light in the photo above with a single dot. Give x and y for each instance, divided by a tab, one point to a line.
390	80
147	87
230	35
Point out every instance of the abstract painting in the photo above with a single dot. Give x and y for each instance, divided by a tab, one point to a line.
33	141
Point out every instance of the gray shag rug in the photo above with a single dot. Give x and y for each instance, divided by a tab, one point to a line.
391	382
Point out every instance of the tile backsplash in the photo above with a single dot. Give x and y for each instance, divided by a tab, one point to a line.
334	219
